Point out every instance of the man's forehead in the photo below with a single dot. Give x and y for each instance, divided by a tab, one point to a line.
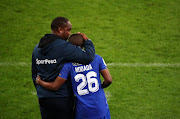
68	24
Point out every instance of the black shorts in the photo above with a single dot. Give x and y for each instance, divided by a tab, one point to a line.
57	108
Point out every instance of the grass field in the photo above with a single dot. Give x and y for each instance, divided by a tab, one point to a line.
136	33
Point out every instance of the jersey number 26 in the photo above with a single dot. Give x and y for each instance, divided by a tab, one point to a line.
90	80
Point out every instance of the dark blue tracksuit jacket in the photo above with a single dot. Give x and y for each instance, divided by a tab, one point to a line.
49	57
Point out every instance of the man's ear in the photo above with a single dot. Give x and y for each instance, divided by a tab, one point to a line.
60	30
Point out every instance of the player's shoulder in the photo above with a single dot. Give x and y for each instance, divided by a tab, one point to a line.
68	64
97	57
36	47
35	51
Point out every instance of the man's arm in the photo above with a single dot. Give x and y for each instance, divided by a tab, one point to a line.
107	78
104	72
59	81
51	85
34	71
73	53
89	51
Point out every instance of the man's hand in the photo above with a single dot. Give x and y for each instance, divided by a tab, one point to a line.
83	35
38	79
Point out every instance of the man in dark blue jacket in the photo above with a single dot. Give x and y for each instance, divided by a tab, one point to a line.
48	58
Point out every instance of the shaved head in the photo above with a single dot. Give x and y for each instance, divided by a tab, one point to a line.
76	39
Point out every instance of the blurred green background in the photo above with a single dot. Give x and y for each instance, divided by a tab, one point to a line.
124	32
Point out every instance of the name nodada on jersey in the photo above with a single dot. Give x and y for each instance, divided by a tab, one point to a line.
46	61
83	68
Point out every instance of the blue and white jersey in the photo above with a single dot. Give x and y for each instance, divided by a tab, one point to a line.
49	59
91	102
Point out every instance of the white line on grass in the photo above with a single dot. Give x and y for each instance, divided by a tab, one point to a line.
108	95
34	93
14	64
145	64
108	64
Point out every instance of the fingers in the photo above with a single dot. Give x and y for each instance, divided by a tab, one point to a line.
83	35
38	78
37	81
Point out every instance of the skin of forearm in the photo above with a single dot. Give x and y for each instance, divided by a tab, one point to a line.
105	84
48	85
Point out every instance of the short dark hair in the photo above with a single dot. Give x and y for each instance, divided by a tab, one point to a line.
76	39
58	22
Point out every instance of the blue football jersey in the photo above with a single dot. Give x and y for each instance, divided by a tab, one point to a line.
91	102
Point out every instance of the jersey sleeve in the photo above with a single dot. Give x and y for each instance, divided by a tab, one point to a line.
65	71
102	64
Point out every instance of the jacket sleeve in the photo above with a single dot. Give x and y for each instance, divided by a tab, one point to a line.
34	71
76	54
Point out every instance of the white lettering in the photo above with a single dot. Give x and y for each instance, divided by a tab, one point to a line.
76	64
45	61
83	68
